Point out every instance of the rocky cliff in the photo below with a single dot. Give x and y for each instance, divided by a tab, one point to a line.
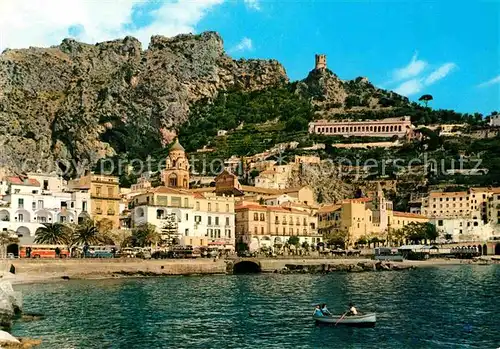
79	102
330	95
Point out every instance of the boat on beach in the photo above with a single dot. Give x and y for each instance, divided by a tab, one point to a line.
361	320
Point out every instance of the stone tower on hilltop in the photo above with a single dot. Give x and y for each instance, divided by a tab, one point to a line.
176	173
320	62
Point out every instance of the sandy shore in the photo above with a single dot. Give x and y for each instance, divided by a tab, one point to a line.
41	271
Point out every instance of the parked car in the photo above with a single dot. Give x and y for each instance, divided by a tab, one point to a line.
145	254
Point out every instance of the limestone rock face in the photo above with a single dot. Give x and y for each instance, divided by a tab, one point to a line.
330	95
68	102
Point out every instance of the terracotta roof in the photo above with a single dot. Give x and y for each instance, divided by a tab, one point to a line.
484	189
168	190
198	196
358	200
23	181
329	208
249	188
255	206
203	190
408	214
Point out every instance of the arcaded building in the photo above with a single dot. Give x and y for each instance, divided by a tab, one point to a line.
389	127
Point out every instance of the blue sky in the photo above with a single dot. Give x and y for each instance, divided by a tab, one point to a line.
448	49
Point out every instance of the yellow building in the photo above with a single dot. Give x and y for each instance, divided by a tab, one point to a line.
176	173
398	220
104	196
261	226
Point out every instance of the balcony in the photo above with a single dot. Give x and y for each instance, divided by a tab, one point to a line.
105	196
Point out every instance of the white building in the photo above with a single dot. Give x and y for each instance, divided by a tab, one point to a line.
187	218
495	120
26	204
463	229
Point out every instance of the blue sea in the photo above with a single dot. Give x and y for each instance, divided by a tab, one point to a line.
441	307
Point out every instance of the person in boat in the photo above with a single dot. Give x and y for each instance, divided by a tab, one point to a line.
352	310
325	310
317	311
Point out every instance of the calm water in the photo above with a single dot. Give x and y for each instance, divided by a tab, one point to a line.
452	307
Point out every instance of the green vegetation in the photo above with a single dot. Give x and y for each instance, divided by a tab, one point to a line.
276	109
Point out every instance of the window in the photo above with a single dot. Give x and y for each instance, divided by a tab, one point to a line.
276	220
186	232
110	192
216	220
84	206
284	231
440	223
262	230
228	233
33	205
20	217
197	205
72	204
197	219
186	202
209	207
262	217
218	233
227	221
20	203
209	220
255	230
227	207
45	184
298	221
98	190
255	216
187	217
216	207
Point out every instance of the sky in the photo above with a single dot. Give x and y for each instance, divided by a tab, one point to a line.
449	49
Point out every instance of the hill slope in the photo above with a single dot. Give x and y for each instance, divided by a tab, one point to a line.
82	102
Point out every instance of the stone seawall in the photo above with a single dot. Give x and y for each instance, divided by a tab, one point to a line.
29	270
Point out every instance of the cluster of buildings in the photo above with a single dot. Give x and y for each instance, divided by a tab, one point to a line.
226	213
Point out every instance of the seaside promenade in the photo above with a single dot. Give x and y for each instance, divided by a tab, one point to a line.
49	270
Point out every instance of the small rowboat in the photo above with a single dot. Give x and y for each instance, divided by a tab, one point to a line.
368	319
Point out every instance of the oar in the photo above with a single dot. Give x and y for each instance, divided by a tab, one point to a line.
341	318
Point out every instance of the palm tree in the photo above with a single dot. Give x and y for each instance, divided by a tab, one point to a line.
145	235
86	233
52	234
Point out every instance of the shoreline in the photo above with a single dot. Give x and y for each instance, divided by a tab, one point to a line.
47	271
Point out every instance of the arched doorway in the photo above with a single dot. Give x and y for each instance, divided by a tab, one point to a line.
479	249
23	231
485	250
246	267
14	249
497	249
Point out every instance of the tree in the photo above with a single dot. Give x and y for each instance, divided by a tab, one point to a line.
120	237
294	240
86	233
145	235
7	238
53	234
425	99
305	245
448	237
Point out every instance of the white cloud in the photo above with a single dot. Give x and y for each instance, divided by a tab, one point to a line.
414	68
253	4
244	45
415	76
495	80
410	87
25	23
440	73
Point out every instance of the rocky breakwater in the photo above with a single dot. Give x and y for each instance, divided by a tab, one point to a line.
354	267
11	309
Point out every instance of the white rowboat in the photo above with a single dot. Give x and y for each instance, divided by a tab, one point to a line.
368	319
